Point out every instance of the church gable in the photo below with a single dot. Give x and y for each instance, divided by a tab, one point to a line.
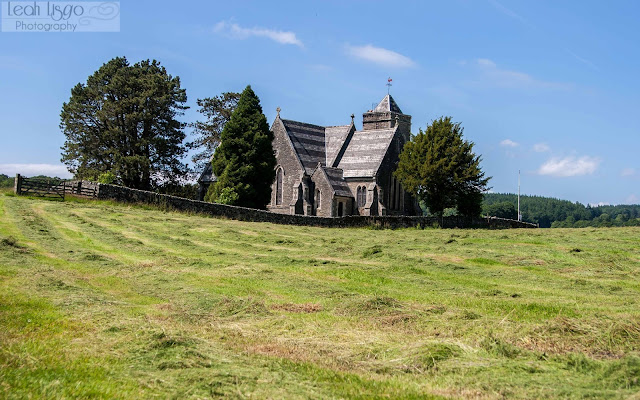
289	169
331	189
337	182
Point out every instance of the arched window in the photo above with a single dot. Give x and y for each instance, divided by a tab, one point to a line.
362	196
358	195
279	187
392	200
317	198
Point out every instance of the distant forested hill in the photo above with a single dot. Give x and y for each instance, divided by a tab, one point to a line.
556	213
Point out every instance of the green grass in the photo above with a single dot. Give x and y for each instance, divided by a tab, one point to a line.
100	300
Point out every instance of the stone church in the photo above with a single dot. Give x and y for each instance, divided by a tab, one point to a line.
333	171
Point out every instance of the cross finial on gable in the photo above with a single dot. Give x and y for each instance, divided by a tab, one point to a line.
352	117
278	110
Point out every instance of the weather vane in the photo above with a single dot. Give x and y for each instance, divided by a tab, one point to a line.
389	84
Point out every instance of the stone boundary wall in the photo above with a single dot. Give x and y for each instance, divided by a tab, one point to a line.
127	195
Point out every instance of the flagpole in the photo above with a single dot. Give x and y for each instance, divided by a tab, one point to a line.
519	217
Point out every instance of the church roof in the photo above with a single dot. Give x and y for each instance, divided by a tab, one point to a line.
365	152
207	175
387	104
337	182
358	154
308	141
334	137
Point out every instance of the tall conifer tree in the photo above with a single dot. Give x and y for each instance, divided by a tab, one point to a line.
244	162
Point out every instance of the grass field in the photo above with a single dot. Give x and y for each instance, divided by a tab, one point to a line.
99	300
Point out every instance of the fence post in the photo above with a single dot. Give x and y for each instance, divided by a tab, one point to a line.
17	184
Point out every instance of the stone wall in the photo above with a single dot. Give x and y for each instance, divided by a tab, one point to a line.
82	188
126	195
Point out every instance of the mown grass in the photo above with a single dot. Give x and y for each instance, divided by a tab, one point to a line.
100	300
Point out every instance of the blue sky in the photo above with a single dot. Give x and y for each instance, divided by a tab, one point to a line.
546	87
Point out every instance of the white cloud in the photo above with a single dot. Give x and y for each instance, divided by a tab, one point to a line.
628	172
379	55
509	143
600	204
53	170
541	147
512	79
235	31
569	166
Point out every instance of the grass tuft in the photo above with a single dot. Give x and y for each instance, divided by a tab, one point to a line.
430	356
496	346
9	241
371	251
239	307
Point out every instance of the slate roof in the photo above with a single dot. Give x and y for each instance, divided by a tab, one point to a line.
365	152
334	137
309	143
207	175
362	154
337	182
388	104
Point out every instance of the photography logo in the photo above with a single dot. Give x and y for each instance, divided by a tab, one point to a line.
60	16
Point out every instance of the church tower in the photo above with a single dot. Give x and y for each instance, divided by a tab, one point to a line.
387	115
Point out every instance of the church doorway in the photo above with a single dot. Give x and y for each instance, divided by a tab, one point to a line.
340	209
299	203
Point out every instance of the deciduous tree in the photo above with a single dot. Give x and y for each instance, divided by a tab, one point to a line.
503	209
217	111
439	167
123	121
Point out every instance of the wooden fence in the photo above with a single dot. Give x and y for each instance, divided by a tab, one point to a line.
53	188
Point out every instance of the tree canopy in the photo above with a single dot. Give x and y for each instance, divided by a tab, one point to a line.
439	167
244	161
556	213
122	123
503	209
217	111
